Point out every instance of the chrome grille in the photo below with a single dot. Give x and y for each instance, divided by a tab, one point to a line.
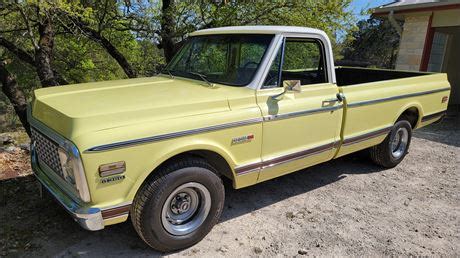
47	151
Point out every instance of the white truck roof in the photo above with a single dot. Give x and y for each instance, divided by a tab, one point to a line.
260	29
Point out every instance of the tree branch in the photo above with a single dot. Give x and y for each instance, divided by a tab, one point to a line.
97	36
21	54
13	30
29	29
27	58
111	49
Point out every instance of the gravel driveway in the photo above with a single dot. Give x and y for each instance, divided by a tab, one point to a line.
344	207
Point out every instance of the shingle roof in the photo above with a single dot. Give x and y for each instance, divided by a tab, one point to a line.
403	5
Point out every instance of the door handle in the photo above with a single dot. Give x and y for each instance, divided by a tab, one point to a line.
340	97
331	100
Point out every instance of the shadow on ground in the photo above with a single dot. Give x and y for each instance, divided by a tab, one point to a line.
32	224
444	132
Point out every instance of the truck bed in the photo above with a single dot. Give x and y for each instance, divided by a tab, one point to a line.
346	76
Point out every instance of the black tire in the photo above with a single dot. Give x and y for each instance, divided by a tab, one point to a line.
146	211
382	154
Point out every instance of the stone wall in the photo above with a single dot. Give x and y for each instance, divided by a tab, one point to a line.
412	42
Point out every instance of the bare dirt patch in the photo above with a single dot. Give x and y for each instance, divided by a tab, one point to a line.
14	155
344	207
14	163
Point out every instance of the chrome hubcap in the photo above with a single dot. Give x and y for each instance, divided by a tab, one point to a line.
399	143
186	208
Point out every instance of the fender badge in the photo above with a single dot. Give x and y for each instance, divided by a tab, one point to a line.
242	139
112	179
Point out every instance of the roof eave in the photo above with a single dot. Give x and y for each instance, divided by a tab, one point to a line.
422	7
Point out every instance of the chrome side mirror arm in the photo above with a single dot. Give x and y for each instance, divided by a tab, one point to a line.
274	97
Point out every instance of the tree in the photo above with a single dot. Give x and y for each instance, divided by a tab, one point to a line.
375	42
330	16
78	41
32	41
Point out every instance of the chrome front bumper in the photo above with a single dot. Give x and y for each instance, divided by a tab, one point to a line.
88	217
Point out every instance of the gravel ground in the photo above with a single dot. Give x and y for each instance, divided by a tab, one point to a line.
346	207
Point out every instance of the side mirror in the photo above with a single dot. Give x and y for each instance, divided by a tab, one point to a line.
292	85
289	86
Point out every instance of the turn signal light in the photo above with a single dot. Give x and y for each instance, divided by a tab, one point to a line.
112	168
444	99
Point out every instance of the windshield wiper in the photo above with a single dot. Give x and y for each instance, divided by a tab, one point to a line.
168	72
203	77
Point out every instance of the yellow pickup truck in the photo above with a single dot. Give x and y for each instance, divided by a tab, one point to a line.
244	103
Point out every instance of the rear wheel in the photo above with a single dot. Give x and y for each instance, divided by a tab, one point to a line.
179	206
394	148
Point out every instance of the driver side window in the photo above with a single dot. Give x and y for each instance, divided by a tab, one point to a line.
302	59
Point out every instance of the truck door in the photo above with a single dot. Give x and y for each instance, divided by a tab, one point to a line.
301	126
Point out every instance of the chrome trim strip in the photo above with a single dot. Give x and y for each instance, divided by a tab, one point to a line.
298	155
248	168
116	206
370	102
432	116
168	136
124	215
301	113
116	210
245	169
366	136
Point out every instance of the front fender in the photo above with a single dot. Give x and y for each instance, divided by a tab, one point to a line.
178	148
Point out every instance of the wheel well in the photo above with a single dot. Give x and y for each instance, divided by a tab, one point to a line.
214	159
411	115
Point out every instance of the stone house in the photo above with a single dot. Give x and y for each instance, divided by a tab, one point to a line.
430	38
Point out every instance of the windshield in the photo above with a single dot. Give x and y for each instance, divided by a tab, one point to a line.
226	59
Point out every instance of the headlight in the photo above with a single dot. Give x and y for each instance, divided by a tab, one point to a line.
72	169
67	166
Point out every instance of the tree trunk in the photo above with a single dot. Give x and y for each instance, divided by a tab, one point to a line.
11	89
167	30
44	53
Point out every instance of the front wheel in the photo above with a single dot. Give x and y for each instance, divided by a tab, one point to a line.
394	148
179	206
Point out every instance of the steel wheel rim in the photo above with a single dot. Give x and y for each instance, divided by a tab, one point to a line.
186	208
399	143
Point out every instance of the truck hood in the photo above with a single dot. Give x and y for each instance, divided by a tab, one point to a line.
75	109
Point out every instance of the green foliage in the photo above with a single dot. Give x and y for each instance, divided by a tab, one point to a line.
301	55
136	29
375	43
133	27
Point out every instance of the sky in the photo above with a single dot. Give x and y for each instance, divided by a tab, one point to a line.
358	5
